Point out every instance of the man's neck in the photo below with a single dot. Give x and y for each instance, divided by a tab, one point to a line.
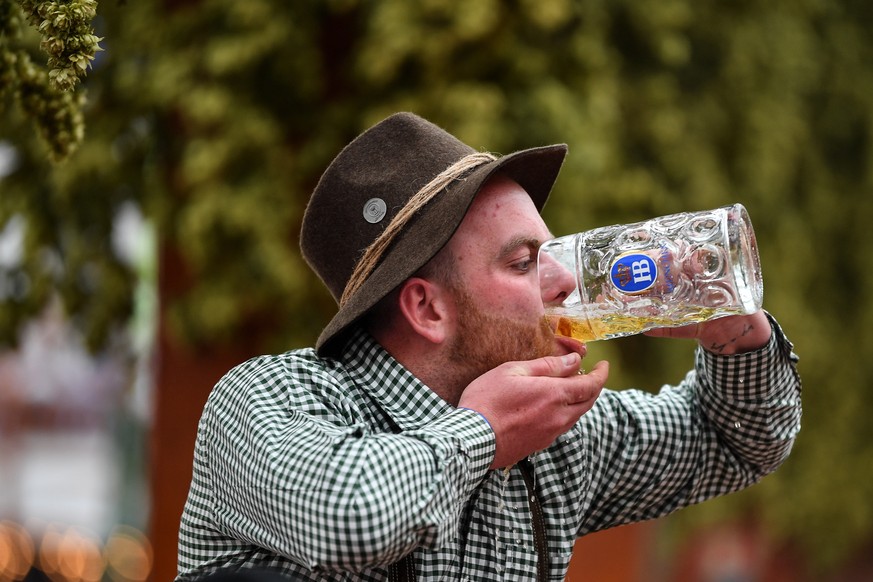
425	362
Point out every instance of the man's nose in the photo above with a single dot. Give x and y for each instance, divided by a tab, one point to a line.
556	281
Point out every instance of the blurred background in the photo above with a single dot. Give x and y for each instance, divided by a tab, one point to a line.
149	216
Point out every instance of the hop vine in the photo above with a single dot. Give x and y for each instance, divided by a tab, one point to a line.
10	28
57	115
8	20
67	37
47	96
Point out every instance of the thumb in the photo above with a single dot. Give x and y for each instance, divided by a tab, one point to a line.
554	366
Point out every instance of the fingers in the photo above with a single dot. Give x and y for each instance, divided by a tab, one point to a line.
690	331
585	389
580	388
529	404
551	366
559	367
600	372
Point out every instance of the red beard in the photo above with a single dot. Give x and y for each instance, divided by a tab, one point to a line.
485	341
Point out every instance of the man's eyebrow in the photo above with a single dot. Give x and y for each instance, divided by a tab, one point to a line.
517	242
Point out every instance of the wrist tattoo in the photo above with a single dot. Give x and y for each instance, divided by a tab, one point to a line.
719	348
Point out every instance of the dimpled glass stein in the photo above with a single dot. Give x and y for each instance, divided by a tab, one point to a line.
665	272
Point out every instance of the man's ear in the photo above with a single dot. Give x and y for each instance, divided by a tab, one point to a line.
426	307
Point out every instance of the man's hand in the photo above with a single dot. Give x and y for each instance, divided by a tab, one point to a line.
726	335
529	404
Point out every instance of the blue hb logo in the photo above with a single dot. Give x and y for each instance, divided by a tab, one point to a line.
634	273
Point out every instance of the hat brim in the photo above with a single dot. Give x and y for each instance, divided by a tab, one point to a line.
534	169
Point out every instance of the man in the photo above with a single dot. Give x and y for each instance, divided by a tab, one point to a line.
439	430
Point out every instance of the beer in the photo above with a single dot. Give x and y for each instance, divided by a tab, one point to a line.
668	271
612	325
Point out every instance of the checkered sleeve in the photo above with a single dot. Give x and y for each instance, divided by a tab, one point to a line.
295	473
753	401
731	421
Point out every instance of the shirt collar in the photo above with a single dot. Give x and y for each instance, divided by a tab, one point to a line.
405	398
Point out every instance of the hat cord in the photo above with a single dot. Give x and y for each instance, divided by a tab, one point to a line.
373	254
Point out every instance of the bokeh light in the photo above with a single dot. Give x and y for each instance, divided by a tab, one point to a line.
128	555
16	551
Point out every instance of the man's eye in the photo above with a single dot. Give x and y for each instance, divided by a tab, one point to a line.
524	265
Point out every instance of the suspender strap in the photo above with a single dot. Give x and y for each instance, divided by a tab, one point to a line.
539	525
402	571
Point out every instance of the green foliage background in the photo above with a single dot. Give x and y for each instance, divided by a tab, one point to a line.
217	116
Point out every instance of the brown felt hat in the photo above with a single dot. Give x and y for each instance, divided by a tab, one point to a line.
371	179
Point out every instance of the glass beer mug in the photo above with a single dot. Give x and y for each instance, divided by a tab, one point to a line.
665	272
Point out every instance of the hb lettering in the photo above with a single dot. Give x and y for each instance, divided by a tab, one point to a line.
634	273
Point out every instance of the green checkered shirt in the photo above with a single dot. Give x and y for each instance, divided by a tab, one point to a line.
298	466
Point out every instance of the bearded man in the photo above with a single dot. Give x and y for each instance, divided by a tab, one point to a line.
439	430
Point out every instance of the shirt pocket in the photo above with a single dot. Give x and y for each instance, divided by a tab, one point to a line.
521	564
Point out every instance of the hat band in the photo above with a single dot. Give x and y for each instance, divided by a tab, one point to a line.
373	254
